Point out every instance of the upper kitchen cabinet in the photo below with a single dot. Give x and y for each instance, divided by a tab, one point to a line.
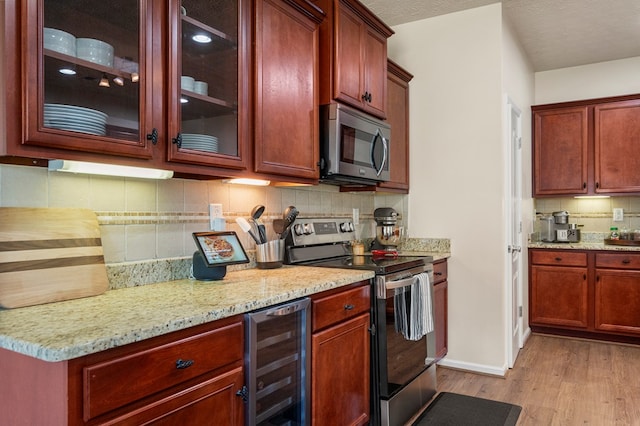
398	117
207	82
353	56
287	98
101	81
587	147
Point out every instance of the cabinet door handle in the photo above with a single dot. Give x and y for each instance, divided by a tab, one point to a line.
348	307
178	140
181	364
584	185
584	276
153	136
597	185
365	96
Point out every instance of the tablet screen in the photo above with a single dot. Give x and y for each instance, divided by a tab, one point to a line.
220	248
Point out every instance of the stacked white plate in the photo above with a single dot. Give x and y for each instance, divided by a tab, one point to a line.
59	41
75	119
95	51
200	142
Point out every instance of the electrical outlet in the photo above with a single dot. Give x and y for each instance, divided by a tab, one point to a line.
618	215
216	220
356	216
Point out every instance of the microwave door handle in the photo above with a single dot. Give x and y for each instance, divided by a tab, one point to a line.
376	137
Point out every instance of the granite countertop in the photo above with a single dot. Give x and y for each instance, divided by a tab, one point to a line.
70	329
587	245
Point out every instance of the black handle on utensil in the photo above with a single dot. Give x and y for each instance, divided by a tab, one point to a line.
262	232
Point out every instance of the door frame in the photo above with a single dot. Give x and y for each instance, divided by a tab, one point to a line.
513	231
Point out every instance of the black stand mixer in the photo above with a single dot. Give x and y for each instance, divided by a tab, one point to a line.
387	232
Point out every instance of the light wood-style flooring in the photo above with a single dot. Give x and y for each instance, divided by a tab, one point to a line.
562	381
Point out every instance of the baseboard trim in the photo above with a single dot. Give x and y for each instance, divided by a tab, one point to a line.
490	370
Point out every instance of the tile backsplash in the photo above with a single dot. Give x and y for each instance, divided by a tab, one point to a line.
594	214
147	219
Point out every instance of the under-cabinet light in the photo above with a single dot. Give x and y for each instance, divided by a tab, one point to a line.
108	169
118	80
201	38
591	197
246	181
104	81
184	100
135	77
67	71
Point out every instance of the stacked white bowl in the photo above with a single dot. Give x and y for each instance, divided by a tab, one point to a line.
95	51
200	142
59	41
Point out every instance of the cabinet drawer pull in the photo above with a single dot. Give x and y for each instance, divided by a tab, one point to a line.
178	140
558	259
348	307
182	364
153	136
437	273
626	261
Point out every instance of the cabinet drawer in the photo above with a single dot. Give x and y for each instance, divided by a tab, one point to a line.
618	260
556	257
439	271
121	380
340	306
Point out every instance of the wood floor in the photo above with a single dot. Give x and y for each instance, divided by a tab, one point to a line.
560	381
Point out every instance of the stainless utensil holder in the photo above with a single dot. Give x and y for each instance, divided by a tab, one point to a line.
270	255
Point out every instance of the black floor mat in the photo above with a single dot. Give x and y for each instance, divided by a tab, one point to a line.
462	410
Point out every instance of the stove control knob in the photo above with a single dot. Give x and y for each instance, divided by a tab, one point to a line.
298	228
346	227
307	229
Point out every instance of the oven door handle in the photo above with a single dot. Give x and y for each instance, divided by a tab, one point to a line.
390	285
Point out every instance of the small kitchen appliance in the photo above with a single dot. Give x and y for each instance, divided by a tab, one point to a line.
403	370
557	229
387	232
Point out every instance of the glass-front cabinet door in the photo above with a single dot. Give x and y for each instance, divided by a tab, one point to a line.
206	82
89	87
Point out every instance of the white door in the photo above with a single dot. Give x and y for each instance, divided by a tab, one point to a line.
514	233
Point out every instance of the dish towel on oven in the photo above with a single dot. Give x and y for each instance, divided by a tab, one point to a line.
413	308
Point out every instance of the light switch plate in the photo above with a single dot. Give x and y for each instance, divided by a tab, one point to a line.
618	215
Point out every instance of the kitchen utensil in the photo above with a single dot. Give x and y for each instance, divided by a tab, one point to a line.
49	255
255	217
278	226
289	217
244	225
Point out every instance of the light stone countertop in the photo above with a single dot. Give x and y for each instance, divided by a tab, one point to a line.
582	246
70	329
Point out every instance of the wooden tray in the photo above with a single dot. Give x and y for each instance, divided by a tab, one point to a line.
49	255
622	242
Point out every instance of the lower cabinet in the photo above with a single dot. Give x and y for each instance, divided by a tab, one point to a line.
340	360
585	293
189	377
440	306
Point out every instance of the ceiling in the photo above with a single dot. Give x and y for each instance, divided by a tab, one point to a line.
553	33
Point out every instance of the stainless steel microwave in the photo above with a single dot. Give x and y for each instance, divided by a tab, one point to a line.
354	146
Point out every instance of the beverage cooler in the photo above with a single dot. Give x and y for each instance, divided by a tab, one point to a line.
277	365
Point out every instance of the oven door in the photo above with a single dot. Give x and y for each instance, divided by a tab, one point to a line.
401	360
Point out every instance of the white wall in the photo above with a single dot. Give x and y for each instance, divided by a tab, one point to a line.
599	80
457	174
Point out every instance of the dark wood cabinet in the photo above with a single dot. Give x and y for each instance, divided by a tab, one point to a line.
441	306
186	377
187	81
591	294
587	147
340	360
353	56
617	292
287	97
398	117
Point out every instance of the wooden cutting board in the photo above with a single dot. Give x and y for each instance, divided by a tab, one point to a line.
49	255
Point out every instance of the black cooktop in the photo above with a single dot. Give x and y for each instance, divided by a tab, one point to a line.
380	265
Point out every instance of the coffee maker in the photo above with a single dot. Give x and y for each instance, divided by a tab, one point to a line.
557	229
387	232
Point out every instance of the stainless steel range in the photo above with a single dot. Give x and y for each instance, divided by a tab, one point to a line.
403	370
